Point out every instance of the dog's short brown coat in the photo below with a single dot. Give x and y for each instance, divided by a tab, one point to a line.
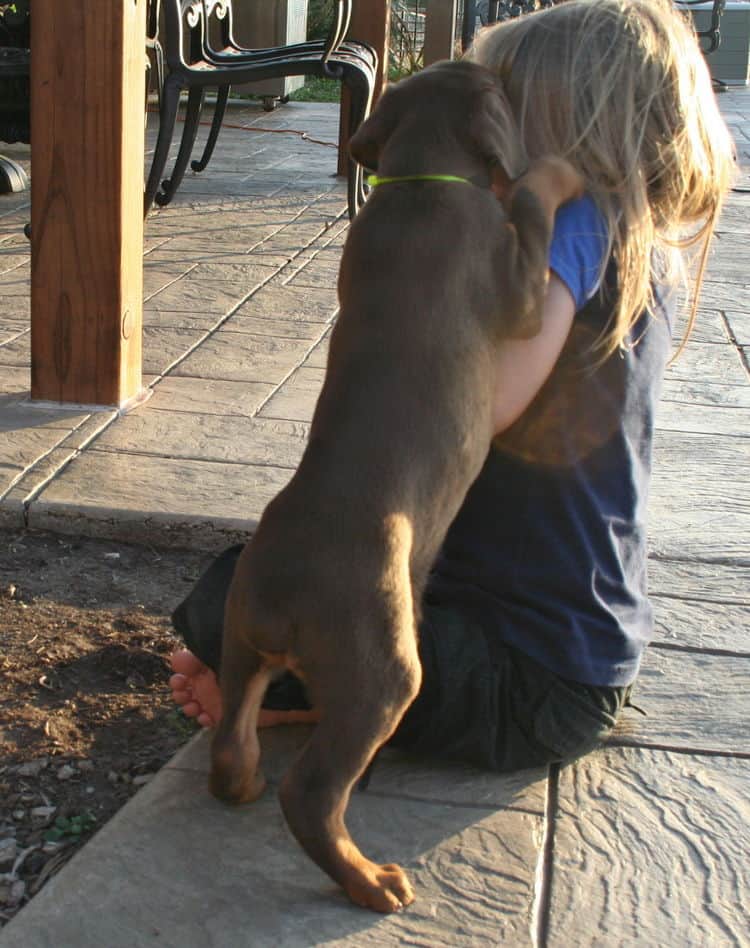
433	277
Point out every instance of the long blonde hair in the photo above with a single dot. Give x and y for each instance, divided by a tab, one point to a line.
621	89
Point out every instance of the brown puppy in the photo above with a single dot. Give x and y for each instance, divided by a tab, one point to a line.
434	274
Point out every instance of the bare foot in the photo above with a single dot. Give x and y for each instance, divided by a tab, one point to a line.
196	689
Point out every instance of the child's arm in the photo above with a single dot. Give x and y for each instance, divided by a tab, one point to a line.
579	244
523	365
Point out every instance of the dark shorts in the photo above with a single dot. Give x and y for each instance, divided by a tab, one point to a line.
481	701
488	704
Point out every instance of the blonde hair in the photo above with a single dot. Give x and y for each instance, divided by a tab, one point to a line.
621	89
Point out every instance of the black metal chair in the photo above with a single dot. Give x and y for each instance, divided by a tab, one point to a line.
222	48
154	49
193	64
712	33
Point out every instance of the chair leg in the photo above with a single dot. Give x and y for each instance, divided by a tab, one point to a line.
155	67
148	89
192	120
170	100
160	70
219	110
355	196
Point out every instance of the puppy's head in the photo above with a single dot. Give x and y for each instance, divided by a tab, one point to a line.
449	111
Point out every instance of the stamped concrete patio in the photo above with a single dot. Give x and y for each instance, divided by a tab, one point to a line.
643	843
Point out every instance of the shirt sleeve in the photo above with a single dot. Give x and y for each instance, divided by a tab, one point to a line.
579	242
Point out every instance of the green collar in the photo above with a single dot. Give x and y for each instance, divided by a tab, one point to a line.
373	180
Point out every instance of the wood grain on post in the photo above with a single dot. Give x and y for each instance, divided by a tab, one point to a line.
440	30
87	131
370	24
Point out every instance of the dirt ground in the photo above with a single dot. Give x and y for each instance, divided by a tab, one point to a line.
85	718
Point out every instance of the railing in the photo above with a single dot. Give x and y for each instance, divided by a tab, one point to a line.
407	35
450	24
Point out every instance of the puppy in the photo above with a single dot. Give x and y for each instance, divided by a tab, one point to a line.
434	275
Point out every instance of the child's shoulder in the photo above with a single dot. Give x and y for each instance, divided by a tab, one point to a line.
581	218
579	244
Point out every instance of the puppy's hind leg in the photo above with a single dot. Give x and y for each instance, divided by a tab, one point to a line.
358	716
235	751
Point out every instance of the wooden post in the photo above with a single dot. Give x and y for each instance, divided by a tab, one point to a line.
440	30
371	23
87	132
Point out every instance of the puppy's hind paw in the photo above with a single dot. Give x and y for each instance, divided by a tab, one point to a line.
232	783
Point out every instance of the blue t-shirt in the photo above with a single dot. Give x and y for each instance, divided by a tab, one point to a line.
548	551
579	243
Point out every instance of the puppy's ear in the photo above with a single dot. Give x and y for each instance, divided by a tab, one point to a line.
368	141
498	138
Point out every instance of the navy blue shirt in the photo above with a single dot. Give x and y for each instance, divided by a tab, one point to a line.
549	548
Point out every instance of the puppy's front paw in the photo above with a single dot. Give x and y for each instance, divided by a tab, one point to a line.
380	888
555	177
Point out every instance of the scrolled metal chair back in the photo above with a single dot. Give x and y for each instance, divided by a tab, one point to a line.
184	30
339	27
219	14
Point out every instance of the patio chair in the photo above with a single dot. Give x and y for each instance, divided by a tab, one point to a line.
154	49
712	33
193	65
710	36
222	48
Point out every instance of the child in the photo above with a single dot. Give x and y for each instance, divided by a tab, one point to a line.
536	617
